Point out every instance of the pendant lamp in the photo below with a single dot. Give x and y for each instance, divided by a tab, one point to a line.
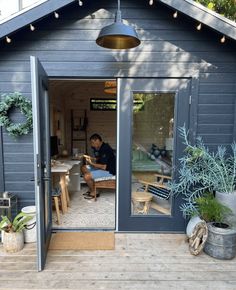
118	35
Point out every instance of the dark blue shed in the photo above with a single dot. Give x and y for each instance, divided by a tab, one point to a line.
195	68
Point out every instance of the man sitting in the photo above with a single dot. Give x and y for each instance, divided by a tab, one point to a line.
103	164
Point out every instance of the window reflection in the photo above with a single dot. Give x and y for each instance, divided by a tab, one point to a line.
152	153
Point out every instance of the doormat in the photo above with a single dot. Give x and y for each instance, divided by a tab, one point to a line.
82	241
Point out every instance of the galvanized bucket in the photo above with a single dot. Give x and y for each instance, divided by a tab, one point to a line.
221	242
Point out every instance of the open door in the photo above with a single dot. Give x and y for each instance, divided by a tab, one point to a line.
42	166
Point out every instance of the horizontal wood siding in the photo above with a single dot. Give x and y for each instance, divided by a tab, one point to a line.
2	185
170	48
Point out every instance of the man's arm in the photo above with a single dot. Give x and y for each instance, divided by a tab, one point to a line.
91	161
99	166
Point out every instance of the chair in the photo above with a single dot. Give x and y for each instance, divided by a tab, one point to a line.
159	189
56	194
105	182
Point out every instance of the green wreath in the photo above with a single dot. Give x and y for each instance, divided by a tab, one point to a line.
16	100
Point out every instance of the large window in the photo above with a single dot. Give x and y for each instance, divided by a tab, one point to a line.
152	151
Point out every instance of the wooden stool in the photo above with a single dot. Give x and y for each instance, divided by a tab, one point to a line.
110	183
141	197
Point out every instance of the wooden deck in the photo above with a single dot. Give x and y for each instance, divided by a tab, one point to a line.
139	262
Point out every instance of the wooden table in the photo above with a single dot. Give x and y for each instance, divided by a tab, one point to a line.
62	167
63	170
141	198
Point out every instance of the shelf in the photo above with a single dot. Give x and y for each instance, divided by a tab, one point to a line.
79	130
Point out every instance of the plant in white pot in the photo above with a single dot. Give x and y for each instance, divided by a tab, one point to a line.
202	170
12	232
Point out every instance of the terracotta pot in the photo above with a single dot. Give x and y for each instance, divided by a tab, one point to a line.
13	241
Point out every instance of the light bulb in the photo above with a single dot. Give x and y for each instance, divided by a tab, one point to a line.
175	15
32	27
199	26
222	40
8	39
56	15
150	2
80	3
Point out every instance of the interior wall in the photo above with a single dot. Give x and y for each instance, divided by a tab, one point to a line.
68	95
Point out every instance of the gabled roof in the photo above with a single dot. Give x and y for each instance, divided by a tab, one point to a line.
187	7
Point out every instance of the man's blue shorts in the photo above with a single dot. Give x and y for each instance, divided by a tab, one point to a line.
98	173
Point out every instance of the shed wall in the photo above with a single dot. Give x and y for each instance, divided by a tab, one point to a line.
170	48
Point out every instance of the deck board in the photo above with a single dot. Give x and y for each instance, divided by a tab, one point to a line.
139	262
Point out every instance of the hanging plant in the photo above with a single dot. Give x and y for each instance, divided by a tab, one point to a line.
11	101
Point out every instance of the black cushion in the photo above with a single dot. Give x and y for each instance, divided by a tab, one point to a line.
162	193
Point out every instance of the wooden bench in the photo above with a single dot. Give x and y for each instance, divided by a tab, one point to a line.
104	183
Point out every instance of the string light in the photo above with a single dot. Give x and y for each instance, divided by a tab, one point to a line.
199	26
222	40
80	3
8	39
32	27
150	2
56	15
175	15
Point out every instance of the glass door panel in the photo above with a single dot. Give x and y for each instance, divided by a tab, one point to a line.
152	152
149	148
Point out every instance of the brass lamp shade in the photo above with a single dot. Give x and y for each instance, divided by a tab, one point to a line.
118	35
110	87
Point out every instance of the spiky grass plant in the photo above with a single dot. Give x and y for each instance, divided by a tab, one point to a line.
202	170
18	223
210	209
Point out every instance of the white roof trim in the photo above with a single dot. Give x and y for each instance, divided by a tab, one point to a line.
204	15
11	16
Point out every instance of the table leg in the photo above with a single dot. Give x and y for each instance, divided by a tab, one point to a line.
63	192
67	195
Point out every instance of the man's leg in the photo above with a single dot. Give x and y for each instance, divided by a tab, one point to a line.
88	178
90	182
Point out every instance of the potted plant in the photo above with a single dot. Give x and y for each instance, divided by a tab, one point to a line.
221	239
207	208
202	170
12	232
211	210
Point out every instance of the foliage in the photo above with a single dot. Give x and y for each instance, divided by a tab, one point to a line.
202	170
226	8
16	100
210	209
18	223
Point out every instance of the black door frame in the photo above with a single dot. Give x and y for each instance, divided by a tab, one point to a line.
183	89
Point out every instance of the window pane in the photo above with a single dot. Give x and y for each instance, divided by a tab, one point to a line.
152	151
